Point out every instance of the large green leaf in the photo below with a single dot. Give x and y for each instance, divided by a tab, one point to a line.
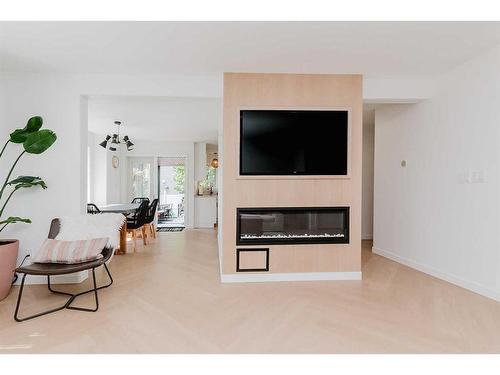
18	136
27	181
12	220
15	219
33	125
39	141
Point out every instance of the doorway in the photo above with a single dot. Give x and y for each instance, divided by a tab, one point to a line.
171	191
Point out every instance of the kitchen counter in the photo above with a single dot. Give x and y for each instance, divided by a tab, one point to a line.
205	211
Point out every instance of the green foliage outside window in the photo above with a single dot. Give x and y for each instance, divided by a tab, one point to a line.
179	178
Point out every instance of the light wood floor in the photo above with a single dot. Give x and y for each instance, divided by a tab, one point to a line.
167	298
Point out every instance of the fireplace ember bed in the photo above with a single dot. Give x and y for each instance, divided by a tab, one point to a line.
291	225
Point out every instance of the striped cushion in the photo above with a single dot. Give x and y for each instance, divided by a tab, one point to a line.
70	252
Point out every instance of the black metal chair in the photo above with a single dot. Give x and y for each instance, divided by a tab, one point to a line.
136	222
92	209
53	269
150	219
140	200
180	208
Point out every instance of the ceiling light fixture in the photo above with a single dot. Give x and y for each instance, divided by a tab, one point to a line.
115	140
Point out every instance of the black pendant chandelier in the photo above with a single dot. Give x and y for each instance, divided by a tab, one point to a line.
116	141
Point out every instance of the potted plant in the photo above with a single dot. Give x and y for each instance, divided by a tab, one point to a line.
33	141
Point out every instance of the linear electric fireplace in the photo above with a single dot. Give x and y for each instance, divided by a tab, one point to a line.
287	225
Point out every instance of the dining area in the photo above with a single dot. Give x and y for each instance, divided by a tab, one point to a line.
141	214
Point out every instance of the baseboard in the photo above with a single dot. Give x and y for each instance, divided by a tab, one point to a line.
74	278
305	276
463	283
204	226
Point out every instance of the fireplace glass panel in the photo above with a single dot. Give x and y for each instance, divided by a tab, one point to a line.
293	225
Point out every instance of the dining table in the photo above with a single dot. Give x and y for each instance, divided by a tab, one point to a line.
125	209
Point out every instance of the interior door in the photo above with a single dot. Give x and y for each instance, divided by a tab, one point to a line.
140	177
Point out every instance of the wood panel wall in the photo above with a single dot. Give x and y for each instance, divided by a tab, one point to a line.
289	91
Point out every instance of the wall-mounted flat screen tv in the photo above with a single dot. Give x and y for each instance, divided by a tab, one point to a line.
293	142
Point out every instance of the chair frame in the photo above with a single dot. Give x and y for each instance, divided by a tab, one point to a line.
143	235
92	209
54	229
140	228
68	303
139	200
149	229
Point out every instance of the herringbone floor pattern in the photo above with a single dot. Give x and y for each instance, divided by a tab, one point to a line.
167	298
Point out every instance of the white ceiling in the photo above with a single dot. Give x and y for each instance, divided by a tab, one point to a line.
370	48
157	118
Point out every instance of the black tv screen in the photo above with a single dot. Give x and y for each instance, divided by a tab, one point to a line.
293	142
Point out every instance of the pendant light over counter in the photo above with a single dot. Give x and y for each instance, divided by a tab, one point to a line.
215	162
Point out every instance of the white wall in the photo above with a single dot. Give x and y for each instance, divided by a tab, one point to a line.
61	166
114	177
91	178
435	214
3	126
398	89
220	193
200	161
98	166
367	172
105	181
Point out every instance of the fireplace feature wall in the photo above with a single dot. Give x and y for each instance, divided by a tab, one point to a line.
313	258
287	225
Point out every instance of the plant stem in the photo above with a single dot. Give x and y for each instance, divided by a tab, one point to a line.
6	201
1	229
10	172
4	146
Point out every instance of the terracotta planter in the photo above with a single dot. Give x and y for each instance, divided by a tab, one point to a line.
8	259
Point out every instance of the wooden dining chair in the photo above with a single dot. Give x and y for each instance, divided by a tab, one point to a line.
136	223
